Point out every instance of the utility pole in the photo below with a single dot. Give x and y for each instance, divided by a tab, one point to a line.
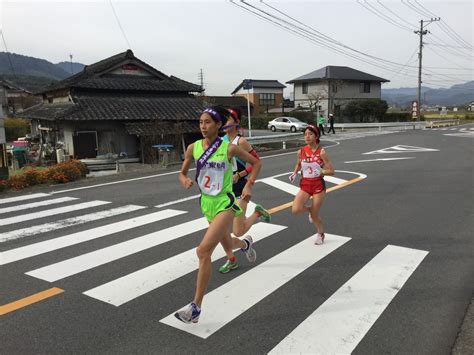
3	141
201	80
421	33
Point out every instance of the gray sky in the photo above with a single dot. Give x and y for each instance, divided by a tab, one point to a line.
230	44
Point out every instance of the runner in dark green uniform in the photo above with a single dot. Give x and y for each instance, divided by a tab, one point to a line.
218	204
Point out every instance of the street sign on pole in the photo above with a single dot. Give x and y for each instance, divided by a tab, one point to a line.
414	110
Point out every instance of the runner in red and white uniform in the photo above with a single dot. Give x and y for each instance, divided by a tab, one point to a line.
313	162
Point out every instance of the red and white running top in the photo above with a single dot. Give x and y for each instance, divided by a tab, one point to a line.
311	163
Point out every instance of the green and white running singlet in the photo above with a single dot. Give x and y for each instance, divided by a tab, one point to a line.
215	182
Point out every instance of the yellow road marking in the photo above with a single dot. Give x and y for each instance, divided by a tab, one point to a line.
289	204
37	297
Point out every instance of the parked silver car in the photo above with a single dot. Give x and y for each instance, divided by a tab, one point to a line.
286	124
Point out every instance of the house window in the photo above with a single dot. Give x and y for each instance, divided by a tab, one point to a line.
305	88
364	87
334	87
267	99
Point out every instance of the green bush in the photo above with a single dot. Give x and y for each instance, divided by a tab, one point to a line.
366	111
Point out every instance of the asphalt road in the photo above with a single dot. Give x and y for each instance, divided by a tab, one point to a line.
395	274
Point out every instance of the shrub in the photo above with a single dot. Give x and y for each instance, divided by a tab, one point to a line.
35	177
3	185
17	182
59	174
365	111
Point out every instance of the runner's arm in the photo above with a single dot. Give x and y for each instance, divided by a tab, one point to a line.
235	150
328	167
183	174
245	145
298	163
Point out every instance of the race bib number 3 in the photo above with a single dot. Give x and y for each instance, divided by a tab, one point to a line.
311	170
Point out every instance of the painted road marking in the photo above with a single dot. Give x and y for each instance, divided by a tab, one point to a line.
136	284
37	297
46	246
51	212
284	186
103	256
345	318
229	301
465	134
381	159
22	198
37	204
402	149
178	201
64	223
331	189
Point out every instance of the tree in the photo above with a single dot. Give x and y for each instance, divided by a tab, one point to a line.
364	111
16	127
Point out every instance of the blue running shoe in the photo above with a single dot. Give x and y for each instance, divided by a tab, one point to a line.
189	314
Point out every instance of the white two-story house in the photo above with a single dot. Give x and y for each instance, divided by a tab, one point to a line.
329	89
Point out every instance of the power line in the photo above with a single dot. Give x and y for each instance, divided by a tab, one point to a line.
443	25
120	25
8	54
408	61
310	37
394	13
319	34
381	15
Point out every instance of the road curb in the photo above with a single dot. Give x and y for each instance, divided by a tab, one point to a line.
465	340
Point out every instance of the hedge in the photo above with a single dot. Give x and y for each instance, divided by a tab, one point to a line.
61	173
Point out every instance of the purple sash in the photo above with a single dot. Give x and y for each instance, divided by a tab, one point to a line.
207	154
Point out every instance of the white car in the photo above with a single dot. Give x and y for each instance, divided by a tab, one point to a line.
286	124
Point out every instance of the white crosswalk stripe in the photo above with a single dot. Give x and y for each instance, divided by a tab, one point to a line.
22	198
36	204
133	285
344	318
51	212
64	223
46	246
227	302
99	257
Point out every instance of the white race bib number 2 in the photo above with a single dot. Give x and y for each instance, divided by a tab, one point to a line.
210	181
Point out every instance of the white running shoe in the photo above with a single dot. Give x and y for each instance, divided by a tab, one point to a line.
189	314
319	239
250	252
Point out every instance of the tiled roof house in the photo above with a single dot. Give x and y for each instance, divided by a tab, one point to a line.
117	105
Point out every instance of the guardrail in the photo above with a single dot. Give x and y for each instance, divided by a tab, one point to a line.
379	125
275	138
283	138
442	123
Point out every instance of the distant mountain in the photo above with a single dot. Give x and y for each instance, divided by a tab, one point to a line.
66	66
33	73
456	95
24	65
